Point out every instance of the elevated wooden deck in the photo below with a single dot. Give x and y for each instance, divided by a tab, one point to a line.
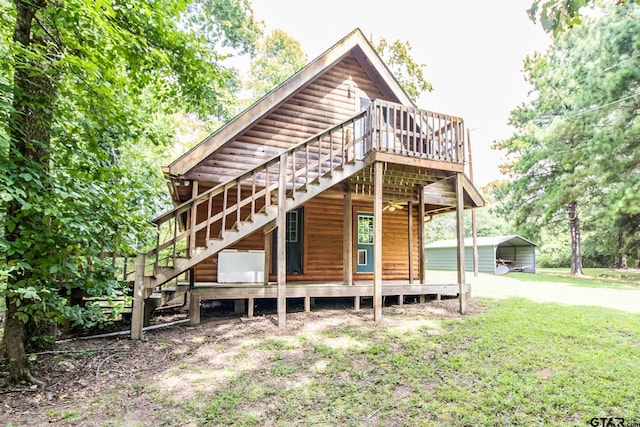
307	290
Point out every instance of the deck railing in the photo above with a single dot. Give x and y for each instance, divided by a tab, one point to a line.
383	127
411	132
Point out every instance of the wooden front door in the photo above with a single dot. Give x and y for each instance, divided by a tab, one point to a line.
294	242
364	243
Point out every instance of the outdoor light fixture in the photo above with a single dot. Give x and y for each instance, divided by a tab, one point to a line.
351	88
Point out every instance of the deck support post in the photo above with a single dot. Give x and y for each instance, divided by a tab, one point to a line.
281	223
194	310
377	242
239	306
250	303
137	308
422	258
356	303
410	239
460	237
347	239
307	304
267	255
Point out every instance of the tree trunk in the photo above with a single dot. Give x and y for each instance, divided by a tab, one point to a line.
576	241
12	347
34	95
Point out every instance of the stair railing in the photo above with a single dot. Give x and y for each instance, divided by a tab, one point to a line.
221	209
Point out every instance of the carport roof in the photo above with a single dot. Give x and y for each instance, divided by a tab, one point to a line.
511	240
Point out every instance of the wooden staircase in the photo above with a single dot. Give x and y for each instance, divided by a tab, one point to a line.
231	211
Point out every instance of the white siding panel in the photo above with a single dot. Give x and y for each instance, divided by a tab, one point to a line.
445	259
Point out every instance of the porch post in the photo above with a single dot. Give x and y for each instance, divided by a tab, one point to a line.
281	222
410	239
137	308
422	259
347	239
267	254
460	237
377	243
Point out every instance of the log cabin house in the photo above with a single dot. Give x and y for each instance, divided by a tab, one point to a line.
339	164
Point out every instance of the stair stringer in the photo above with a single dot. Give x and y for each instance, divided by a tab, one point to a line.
245	228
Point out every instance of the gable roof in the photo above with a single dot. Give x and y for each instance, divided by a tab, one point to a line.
509	240
354	43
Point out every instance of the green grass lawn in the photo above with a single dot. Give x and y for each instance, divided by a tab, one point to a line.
516	363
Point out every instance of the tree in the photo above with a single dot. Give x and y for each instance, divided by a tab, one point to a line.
278	57
410	74
84	83
556	15
577	143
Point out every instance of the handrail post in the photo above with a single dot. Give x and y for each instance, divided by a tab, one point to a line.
238	197
224	210
293	174
330	152
306	166
137	307
267	193
209	203
342	146
175	236
194	215
461	155
253	194
157	258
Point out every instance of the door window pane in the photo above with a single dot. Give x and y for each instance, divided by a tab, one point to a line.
365	230
362	257
292	226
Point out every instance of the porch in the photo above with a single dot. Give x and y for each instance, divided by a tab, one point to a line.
249	292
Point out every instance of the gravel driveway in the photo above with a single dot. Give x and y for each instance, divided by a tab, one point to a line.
489	286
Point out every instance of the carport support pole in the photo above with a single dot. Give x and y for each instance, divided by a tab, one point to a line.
473	211
281	223
460	238
377	242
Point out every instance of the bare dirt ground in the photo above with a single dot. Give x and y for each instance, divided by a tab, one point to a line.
114	381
